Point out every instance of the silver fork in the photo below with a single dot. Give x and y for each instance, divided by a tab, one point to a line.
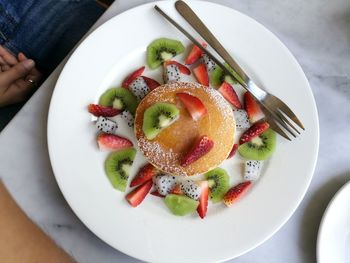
276	111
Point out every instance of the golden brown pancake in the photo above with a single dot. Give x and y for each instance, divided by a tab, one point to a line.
172	143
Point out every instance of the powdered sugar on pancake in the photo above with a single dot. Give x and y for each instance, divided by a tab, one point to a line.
164	159
165	155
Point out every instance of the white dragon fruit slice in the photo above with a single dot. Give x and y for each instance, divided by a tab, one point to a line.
252	170
171	73
105	125
139	88
128	117
164	183
242	121
209	63
191	189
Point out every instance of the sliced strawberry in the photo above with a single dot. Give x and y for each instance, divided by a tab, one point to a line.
200	148
201	74
203	199
230	94
155	193
194	54
136	196
252	108
151	83
194	105
112	142
146	173
177	190
98	110
183	69
233	151
236	192
255	130
132	77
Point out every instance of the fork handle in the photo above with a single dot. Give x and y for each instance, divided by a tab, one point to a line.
190	16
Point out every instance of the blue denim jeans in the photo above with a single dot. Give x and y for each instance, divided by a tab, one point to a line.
45	30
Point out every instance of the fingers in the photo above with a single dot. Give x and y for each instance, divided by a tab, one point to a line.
7	56
16	72
18	91
2	61
21	56
28	83
14	94
5	68
24	85
35	74
3	65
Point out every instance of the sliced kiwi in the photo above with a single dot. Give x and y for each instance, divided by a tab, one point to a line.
107	97
162	49
157	117
260	147
117	167
180	205
119	98
217	77
219	183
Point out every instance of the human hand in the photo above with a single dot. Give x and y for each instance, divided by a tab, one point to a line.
17	77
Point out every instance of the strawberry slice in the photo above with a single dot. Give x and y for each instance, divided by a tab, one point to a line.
136	196
201	74
112	142
233	151
255	130
230	94
146	173
151	83
155	193
132	77
203	199
98	110
183	69
177	190
252	108
194	105
200	148
194	54
236	192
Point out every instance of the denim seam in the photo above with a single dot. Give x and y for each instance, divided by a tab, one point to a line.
12	48
3	36
8	16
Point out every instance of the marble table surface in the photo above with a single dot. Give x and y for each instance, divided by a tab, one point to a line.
317	32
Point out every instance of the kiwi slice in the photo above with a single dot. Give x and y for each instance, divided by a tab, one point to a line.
217	77
260	147
157	117
119	98
107	97
219	183
180	205
117	167
163	49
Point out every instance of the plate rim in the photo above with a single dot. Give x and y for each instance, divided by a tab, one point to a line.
286	50
325	215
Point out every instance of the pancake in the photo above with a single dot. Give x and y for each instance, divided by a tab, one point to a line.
172	143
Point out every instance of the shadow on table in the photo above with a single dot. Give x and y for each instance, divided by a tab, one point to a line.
7	113
315	208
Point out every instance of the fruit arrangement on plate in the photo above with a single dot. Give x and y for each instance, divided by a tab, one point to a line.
185	127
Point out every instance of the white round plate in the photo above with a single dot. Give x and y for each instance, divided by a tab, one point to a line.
333	241
150	232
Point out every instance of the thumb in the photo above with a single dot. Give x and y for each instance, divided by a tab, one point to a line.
18	71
